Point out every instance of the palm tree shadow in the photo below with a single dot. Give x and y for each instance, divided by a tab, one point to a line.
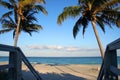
63	76
27	75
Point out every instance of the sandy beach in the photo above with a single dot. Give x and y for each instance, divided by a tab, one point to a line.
63	72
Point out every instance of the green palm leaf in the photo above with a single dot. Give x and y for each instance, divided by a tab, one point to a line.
6	15
71	11
6	4
40	8
76	27
100	22
5	30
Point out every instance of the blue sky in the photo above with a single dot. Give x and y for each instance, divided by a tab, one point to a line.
57	40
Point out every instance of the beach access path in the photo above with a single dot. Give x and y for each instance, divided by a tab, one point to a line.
63	72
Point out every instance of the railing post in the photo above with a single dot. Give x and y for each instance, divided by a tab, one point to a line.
11	74
101	73
15	60
18	66
110	59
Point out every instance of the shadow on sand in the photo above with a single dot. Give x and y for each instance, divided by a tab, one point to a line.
27	75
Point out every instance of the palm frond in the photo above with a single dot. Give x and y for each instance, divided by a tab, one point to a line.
26	2
31	18
84	24
6	4
14	33
76	27
113	3
32	28
109	4
41	1
12	1
5	30
110	18
36	27
71	11
15	16
111	13
118	21
7	23
40	8
12	21
29	32
6	15
117	9
100	22
11	26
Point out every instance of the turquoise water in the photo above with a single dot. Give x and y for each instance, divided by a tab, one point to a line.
62	60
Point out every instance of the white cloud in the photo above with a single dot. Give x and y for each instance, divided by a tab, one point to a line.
59	51
62	48
38	47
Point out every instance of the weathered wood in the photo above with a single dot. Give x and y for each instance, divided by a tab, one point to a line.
27	63
101	73
110	59
16	72
11	74
3	67
110	65
7	48
18	65
115	70
114	45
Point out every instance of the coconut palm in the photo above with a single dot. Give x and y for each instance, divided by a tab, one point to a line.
101	12
23	11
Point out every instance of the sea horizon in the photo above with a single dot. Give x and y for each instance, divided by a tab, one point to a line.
62	60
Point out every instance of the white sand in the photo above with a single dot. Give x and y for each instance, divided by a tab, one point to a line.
63	72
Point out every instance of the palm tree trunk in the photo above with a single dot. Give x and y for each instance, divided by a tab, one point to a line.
98	39
17	32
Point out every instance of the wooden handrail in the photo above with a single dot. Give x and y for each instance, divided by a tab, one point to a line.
2	67
15	58
27	63
114	45
7	48
115	70
109	68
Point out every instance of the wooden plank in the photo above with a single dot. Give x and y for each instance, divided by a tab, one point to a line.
110	59
2	67
27	63
11	74
18	66
101	73
7	48
16	72
114	45
115	70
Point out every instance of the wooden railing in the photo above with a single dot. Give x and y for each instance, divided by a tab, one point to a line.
16	57
109	69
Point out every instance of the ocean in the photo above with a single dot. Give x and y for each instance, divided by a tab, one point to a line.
62	60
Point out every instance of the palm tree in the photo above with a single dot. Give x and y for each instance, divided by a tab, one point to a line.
23	14
101	12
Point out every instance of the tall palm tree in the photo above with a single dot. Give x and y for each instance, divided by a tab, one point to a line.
101	12
23	11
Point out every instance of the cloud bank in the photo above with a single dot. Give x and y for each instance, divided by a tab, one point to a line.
61	48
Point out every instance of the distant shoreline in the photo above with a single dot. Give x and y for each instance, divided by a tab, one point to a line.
56	56
63	60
